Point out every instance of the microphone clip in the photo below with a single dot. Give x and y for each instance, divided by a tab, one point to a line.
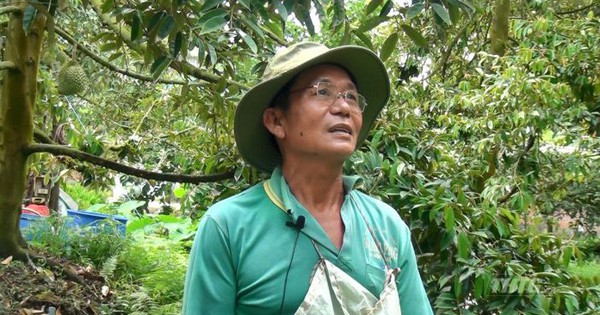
299	224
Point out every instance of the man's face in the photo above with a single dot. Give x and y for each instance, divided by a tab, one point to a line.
316	126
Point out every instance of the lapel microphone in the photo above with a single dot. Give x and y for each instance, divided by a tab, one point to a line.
299	224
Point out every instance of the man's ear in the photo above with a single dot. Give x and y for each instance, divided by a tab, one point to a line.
273	121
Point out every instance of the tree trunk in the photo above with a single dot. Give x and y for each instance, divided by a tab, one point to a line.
499	31
16	121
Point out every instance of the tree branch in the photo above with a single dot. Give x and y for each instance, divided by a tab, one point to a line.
442	64
9	9
528	146
578	9
169	177
40	136
122	30
114	68
8	65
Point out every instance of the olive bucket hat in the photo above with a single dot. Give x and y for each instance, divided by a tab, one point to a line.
254	140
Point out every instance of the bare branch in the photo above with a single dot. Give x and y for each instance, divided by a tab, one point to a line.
442	64
40	136
114	68
122	30
589	6
8	65
169	177
528	146
9	9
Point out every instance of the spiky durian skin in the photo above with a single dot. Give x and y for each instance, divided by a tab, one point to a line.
72	79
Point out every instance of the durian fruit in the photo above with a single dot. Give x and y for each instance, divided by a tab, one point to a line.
72	79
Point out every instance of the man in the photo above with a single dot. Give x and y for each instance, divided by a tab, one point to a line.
306	241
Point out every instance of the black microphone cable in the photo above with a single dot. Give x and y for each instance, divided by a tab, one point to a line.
299	225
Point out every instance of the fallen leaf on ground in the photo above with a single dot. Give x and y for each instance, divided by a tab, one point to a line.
7	260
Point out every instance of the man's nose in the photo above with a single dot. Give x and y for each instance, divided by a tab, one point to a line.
341	105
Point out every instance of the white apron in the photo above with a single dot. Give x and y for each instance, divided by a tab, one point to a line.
333	292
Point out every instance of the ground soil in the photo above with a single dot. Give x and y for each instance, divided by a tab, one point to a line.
50	287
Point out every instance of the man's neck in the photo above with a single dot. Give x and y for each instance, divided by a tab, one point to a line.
317	186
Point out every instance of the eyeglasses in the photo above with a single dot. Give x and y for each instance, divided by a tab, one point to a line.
328	94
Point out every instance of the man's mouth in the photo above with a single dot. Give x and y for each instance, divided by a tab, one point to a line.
343	128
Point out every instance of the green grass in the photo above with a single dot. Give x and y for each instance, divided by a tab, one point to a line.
589	270
85	196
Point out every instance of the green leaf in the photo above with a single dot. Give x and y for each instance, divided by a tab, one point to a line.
387	7
467	5
414	10
155	20
107	5
464	245
28	17
136	22
523	285
416	37
159	65
175	45
209	4
371	23
281	10
213	55
478	287
571	303
249	41
166	26
201	54
388	46
339	13
441	11
275	28
254	27
372	6
126	207
501	226
514	284
567	254
457	288
139	224
449	218
303	14
454	11
211	14
346	38
212	25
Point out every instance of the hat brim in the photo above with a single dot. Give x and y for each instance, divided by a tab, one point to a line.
254	140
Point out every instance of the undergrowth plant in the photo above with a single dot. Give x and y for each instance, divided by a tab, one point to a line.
144	269
85	196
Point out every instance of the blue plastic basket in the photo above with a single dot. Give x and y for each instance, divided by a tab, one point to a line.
99	222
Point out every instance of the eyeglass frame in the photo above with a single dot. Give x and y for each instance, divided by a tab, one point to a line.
360	98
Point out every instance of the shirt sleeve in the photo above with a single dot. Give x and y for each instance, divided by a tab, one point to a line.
413	298
210	286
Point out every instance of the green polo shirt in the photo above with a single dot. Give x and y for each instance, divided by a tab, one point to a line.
243	251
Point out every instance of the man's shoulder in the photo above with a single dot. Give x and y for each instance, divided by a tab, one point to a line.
242	201
378	210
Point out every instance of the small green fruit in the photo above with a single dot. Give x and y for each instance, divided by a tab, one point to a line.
72	79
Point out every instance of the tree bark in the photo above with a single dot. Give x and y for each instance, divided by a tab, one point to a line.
16	119
499	33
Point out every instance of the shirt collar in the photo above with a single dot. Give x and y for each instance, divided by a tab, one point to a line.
279	193
276	187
